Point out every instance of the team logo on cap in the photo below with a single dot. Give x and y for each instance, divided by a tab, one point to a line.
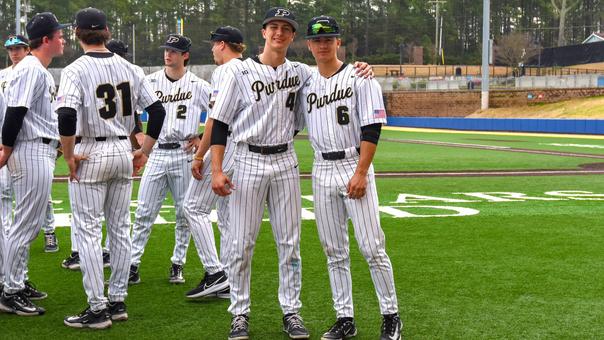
282	13
172	40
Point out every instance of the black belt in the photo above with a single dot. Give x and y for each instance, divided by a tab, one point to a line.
99	139
48	141
268	150
168	146
336	155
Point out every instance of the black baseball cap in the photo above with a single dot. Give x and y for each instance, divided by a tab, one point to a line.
227	34
91	19
280	14
177	42
16	40
322	26
43	24
118	47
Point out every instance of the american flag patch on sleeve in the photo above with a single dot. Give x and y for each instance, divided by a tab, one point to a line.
379	113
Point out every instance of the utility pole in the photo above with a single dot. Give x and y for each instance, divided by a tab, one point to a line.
438	31
18	17
486	18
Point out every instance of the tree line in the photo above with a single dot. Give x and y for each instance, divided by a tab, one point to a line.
373	30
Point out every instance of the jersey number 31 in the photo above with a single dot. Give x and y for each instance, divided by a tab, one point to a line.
107	92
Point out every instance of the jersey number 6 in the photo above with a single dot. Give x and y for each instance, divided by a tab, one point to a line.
107	93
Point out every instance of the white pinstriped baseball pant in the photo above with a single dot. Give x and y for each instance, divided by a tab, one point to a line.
31	166
199	201
105	188
165	169
273	180
332	211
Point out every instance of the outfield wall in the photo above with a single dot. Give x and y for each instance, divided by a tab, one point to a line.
574	126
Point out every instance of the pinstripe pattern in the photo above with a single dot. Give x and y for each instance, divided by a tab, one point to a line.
6	186
335	110
105	187
257	101
199	201
105	184
3	216
31	164
170	169
33	87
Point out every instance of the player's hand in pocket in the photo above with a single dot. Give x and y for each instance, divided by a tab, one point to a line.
221	184
74	164
357	186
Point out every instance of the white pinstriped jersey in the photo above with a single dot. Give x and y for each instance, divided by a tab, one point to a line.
104	89
184	100
337	107
32	86
5	78
259	101
218	78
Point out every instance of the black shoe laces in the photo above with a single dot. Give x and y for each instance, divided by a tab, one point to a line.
390	324
294	321
239	323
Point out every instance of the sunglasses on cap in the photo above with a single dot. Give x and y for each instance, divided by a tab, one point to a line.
15	41
323	27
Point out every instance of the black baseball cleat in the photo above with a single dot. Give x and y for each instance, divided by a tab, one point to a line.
392	327
72	262
210	285
134	278
32	293
19	304
344	328
176	275
106	259
239	327
294	326
224	294
117	311
50	243
89	319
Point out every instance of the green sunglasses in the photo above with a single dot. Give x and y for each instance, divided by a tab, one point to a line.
318	27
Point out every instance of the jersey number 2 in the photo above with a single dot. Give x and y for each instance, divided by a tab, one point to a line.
181	112
107	93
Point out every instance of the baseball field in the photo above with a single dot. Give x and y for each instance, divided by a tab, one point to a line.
491	236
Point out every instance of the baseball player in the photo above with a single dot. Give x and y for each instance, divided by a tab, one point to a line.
30	140
17	47
344	115
97	95
72	261
2	233
256	99
184	96
227	49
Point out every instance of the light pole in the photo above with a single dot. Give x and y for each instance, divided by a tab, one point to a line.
484	103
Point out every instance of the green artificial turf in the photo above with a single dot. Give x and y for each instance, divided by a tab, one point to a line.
516	270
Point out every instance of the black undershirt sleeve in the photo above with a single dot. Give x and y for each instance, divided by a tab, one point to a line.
220	132
13	121
157	113
371	133
67	121
137	124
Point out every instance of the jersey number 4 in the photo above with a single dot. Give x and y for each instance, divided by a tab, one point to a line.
107	92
